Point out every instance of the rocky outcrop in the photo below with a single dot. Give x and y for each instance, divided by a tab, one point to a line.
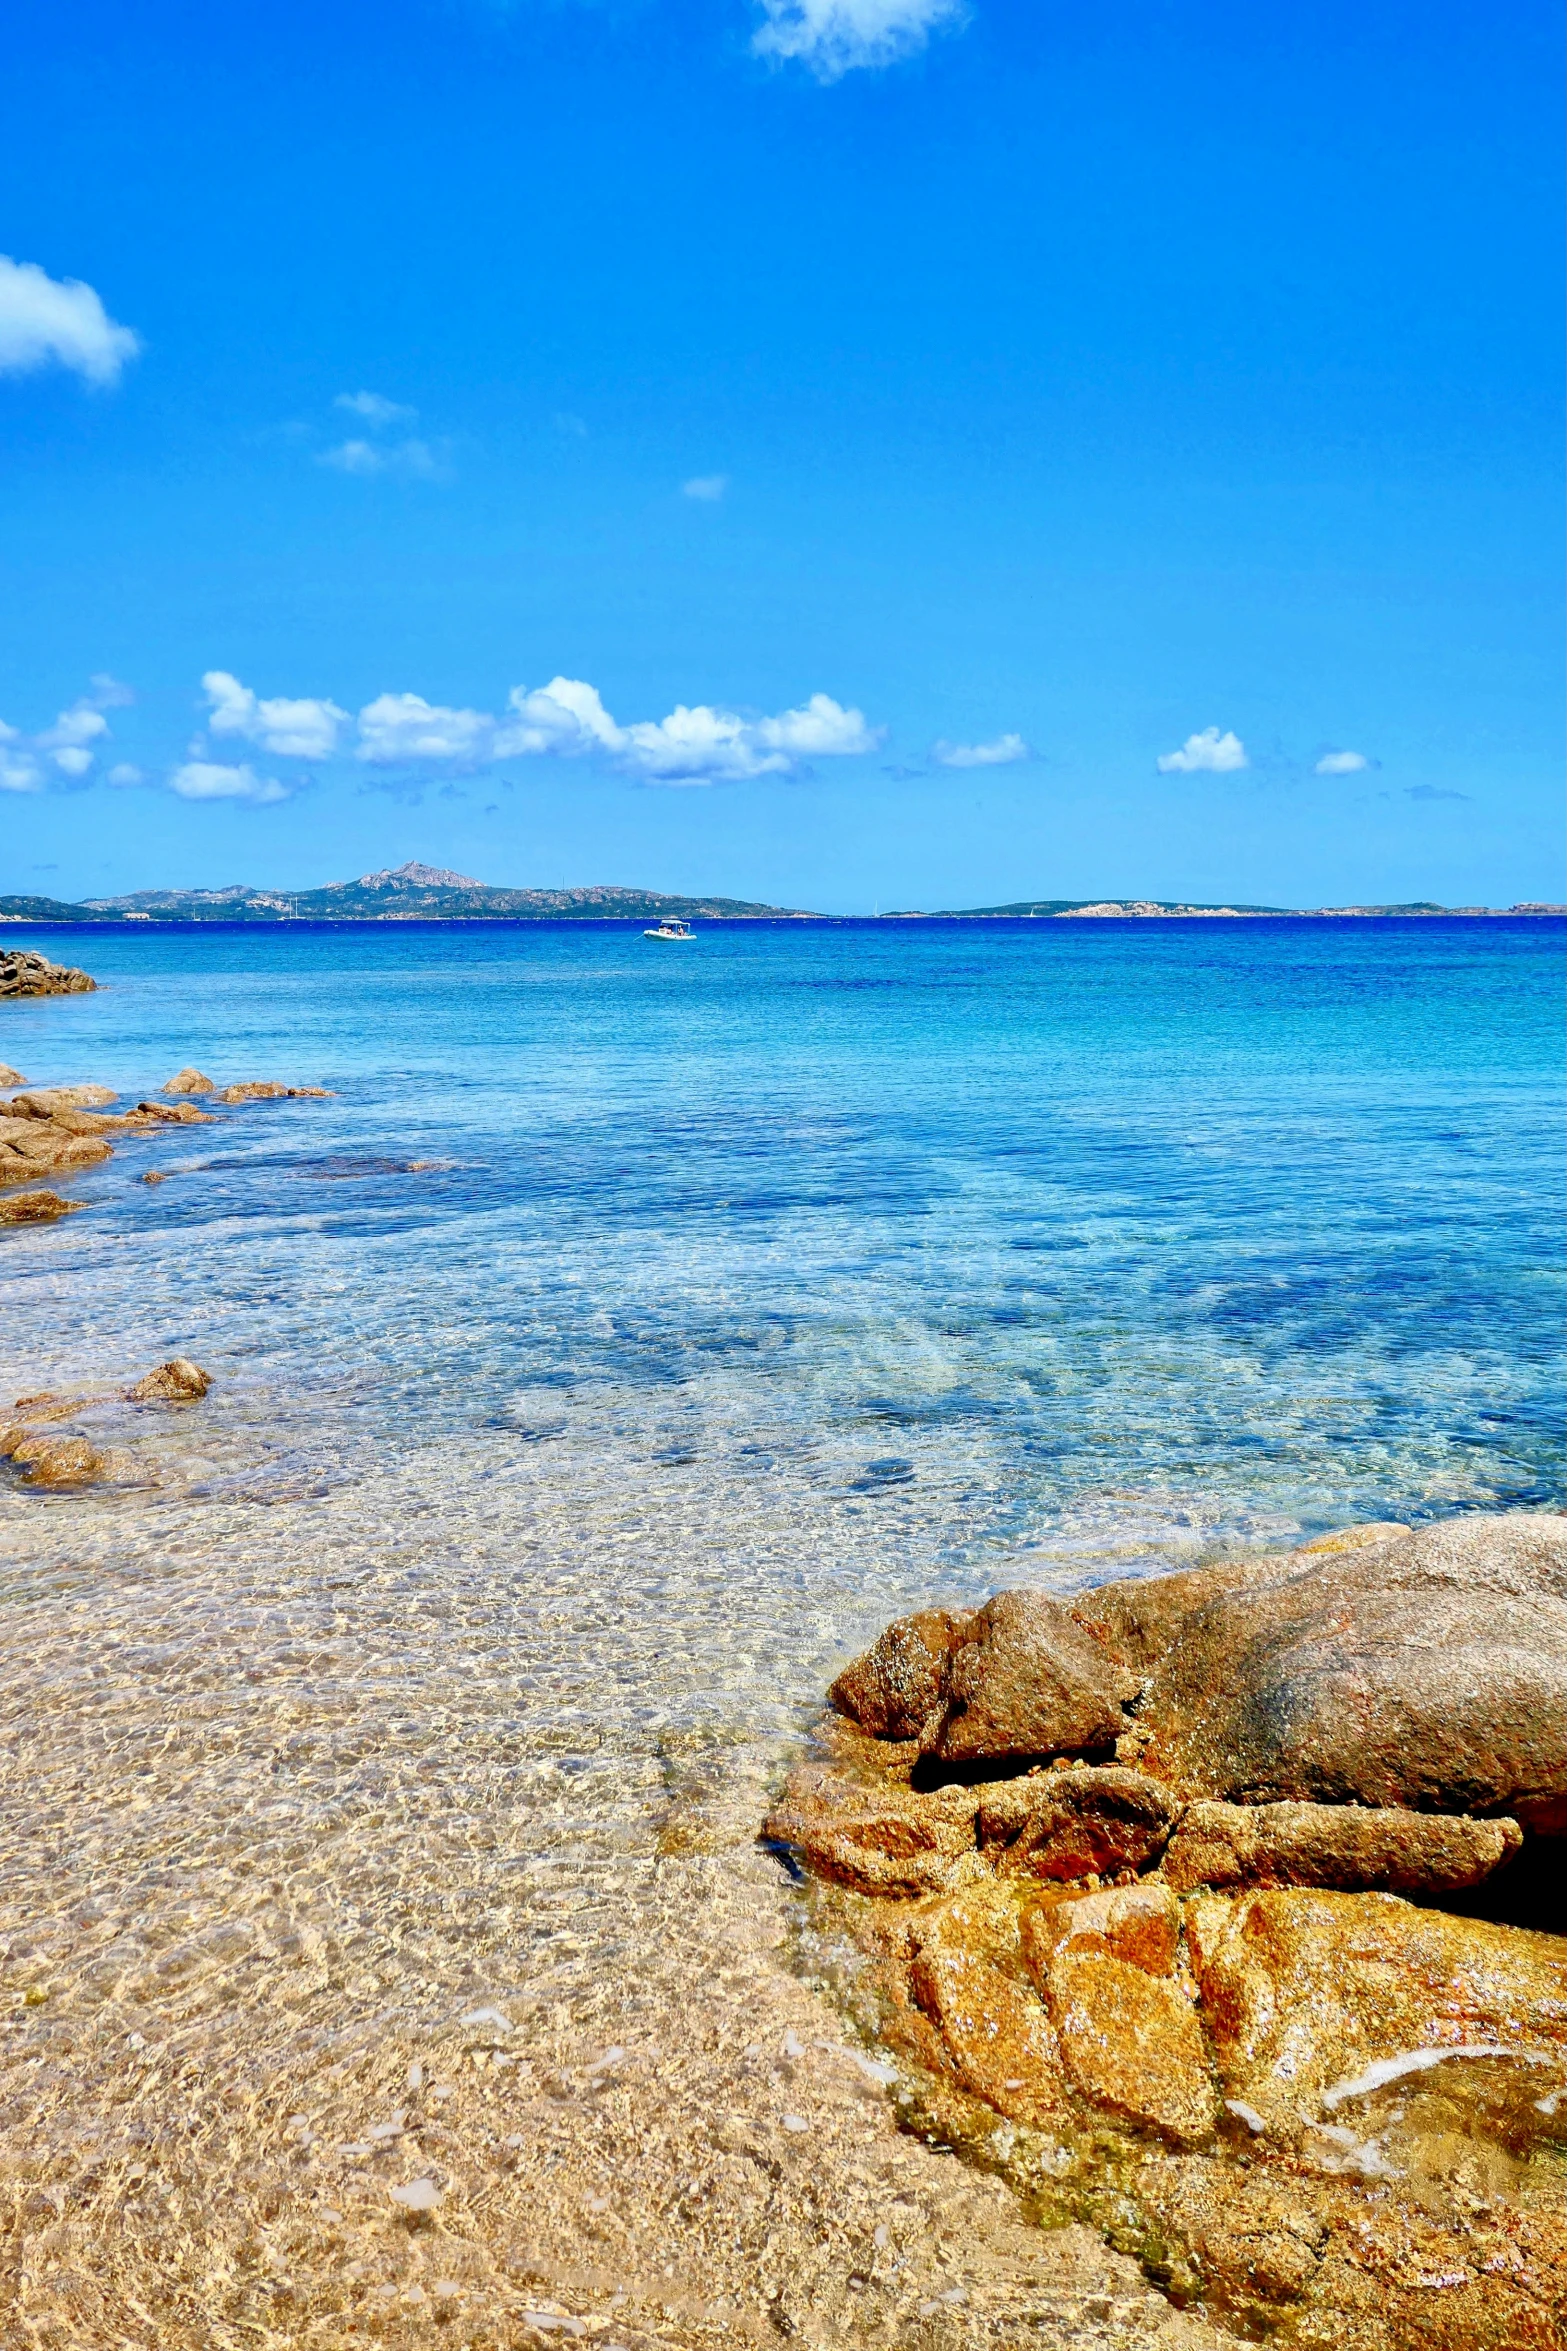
267	1090
1427	1671
24	973
1354	1847
36	1208
45	1130
1247	2036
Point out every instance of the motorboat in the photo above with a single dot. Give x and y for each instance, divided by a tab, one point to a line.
670	928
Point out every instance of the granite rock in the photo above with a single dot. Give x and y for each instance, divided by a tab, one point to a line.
901	1681
1029	1682
179	1381
24	973
1082	1821
1355	1848
35	1208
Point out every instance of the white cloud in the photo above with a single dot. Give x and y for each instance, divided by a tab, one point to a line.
1005	751
1341	763
46	320
410	460
1208	753
19	771
290	729
832	37
68	747
374	409
123	774
203	779
707	487
693	745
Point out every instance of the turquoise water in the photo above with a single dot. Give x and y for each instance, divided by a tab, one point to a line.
1084	1241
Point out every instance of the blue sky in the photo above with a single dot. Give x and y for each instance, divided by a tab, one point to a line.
834	451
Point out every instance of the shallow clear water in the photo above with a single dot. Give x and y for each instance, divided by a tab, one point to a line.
749	1291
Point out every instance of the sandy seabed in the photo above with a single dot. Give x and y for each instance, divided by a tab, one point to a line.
348	1850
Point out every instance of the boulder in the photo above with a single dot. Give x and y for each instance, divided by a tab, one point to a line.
1084	1821
1427	1670
1131	2044
11	1077
36	1208
901	1681
189	1081
24	973
182	1114
966	1976
1136	1620
267	1090
179	1381
31	1147
1357	1848
1315	2000
1029	1682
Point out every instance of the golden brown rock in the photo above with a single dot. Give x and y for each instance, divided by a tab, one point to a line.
267	1090
1030	1682
23	972
189	1081
36	1208
33	1147
1353	1847
179	1381
1140	1925
901	1681
1306	1993
1135	1620
45	1101
1082	1821
966	1977
11	1077
1131	2044
1356	1538
877	1837
183	1114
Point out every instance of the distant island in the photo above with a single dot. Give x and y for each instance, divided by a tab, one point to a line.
428	893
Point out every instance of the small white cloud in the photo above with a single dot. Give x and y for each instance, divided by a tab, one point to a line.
67	747
1005	751
567	718
45	320
290	729
203	779
374	410
411	460
708	488
108	693
1208	753
67	741
1341	763
19	770
123	774
396	728
833	37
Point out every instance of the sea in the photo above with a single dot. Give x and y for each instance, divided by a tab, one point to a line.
637	1327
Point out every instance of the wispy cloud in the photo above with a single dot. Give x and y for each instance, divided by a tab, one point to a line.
206	779
1004	751
375	410
1207	753
1433	792
706	487
291	729
835	37
1341	763
58	322
695	744
412	460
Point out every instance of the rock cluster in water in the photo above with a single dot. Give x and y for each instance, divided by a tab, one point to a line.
25	973
57	1129
48	1456
1188	1899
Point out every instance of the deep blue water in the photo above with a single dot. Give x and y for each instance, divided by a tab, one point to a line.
1087	1238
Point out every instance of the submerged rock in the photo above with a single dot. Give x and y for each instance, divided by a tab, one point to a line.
47	1460
25	973
267	1090
1428	1670
179	1381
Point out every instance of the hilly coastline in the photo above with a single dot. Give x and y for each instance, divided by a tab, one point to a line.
428	893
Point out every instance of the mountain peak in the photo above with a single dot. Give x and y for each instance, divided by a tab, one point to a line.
424	877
